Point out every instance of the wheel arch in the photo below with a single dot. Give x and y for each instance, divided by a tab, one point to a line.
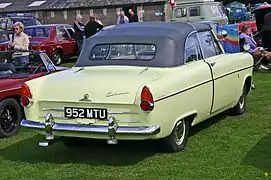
248	83
60	49
188	116
17	99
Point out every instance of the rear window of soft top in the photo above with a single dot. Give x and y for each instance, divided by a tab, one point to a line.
123	52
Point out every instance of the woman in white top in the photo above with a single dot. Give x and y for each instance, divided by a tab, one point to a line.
20	41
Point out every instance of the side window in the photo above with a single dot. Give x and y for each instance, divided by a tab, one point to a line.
61	33
4	37
3	23
192	50
194	11
29	32
209	46
9	25
71	31
180	12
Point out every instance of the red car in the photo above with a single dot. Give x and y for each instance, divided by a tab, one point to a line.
57	40
11	79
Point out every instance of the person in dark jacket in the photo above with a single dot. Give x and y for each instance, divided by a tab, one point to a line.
133	16
92	27
266	33
79	29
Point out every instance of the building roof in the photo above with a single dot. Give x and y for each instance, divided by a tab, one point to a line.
35	5
168	37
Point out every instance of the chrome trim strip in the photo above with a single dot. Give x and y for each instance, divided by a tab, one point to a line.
53	109
115	113
62	109
136	130
10	89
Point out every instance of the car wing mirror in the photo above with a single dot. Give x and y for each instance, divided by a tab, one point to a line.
222	34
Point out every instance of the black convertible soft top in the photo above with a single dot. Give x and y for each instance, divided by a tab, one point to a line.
168	37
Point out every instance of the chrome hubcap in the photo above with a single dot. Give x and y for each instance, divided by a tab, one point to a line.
242	102
179	132
57	58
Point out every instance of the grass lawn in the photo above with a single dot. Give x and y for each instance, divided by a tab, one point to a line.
224	147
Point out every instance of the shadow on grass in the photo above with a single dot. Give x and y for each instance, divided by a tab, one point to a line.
98	153
260	155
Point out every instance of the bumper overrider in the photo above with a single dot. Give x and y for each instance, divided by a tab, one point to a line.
112	129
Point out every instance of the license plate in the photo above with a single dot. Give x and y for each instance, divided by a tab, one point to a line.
88	113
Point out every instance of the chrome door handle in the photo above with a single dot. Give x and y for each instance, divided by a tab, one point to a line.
212	64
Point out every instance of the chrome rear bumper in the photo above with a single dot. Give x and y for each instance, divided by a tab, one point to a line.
49	126
132	130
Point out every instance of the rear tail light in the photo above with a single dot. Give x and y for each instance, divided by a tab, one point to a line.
25	95
147	103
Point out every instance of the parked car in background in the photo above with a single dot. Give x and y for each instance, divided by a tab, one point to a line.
6	22
260	12
12	77
137	81
57	40
199	10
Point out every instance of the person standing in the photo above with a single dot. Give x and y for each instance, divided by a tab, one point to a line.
133	16
92	27
79	29
20	42
122	19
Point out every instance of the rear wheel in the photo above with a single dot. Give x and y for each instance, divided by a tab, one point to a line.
10	117
57	57
177	140
240	107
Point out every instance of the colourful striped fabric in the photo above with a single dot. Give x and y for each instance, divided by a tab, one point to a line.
231	42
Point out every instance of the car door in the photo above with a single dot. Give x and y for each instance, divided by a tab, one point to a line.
73	46
222	70
64	40
198	75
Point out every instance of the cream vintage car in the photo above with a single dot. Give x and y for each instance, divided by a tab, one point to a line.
138	81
